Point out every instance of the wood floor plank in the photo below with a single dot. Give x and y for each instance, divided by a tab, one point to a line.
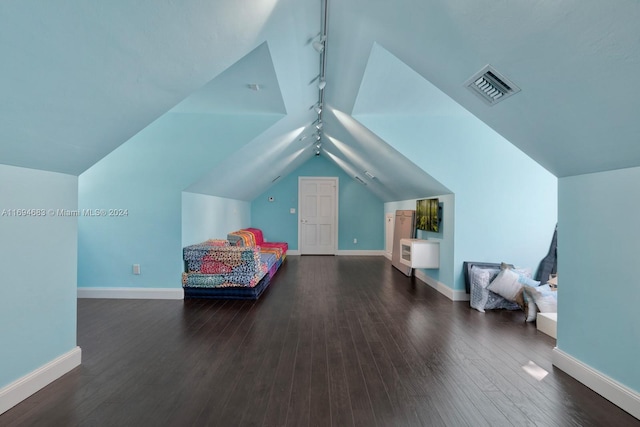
333	341
340	400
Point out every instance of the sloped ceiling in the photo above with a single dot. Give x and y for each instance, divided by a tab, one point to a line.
79	79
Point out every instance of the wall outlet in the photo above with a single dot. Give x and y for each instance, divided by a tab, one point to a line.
292	210
136	268
355	240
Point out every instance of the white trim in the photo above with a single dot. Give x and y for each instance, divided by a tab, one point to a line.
34	381
452	294
345	253
389	222
131	293
618	394
362	253
547	323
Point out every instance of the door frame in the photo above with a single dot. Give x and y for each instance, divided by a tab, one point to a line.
336	182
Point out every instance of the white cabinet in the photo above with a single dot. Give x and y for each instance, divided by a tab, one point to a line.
419	253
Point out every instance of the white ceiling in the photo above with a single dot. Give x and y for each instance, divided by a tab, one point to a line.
81	78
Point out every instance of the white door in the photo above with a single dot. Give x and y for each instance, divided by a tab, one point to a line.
318	215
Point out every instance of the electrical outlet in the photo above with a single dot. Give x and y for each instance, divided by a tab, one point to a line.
136	268
355	240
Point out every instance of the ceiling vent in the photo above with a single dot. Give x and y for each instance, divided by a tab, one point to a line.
491	86
360	180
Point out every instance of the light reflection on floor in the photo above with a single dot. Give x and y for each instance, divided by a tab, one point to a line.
535	371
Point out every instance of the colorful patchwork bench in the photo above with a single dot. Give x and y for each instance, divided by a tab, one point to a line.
237	268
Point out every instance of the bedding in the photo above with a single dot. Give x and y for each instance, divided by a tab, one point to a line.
482	298
501	286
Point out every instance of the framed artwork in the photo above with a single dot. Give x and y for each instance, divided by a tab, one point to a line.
427	218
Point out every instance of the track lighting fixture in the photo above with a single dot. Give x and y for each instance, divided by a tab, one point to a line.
318	45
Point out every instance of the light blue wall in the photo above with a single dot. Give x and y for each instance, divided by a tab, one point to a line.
361	212
146	176
37	270
598	287
445	236
505	203
208	217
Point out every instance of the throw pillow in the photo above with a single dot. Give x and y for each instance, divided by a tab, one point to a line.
545	299
529	306
506	284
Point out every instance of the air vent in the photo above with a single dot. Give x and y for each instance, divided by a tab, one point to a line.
360	180
491	86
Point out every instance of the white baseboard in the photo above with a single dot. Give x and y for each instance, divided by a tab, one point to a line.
131	293
387	255
360	253
452	294
346	252
618	394
24	387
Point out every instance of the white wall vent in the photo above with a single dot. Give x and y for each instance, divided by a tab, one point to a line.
491	86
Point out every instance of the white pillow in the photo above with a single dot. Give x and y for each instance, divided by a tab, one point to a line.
506	284
544	297
530	308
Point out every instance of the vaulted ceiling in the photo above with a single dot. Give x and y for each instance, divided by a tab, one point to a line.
81	78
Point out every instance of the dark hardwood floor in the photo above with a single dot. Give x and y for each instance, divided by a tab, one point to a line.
334	341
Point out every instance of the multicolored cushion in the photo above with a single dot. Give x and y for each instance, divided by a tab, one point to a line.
242	261
242	238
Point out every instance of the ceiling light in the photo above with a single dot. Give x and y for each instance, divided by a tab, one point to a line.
319	125
318	108
254	86
317	152
322	83
369	174
317	137
318	145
